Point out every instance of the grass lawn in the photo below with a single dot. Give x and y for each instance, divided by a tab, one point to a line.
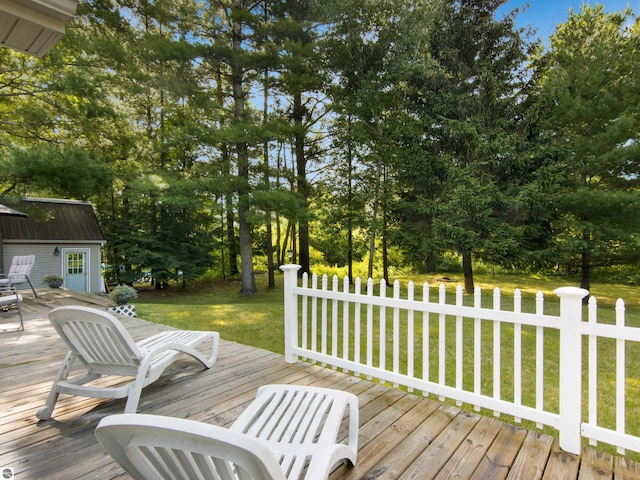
257	321
254	320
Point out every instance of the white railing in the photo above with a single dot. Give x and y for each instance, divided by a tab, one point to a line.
383	337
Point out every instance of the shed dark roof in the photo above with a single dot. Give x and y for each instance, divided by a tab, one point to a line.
50	219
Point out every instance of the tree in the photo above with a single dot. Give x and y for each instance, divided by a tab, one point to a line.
145	69
368	50
52	116
588	81
483	59
300	80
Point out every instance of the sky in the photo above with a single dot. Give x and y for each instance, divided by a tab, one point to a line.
546	14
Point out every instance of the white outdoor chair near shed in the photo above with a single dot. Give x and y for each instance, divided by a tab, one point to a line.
21	266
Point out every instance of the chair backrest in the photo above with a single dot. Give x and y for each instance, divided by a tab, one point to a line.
97	338
22	265
151	447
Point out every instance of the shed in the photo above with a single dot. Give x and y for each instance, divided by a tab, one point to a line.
65	237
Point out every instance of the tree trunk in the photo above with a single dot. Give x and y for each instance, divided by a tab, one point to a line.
246	250
467	268
232	245
374	219
283	251
228	197
350	212
303	185
265	146
242	151
431	263
279	253
385	253
585	270
223	259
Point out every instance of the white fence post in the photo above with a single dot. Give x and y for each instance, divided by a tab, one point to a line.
570	422
290	312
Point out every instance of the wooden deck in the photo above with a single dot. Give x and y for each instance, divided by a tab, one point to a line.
401	435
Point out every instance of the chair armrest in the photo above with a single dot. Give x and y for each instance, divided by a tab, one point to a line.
10	300
6	287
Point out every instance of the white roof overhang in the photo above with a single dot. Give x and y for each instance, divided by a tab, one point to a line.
34	26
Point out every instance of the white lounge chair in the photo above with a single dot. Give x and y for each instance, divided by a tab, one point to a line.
19	271
99	341
288	432
10	297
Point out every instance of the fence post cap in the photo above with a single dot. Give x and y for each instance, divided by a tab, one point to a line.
289	266
571	292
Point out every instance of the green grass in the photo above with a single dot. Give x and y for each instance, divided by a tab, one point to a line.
257	321
254	320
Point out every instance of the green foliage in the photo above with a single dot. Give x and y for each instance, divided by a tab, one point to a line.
69	172
588	90
53	281
123	294
390	131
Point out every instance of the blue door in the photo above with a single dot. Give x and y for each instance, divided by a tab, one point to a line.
76	270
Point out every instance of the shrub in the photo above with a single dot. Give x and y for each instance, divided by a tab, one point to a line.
54	281
122	294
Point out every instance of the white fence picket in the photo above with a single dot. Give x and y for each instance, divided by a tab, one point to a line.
334	319
314	316
621	374
517	352
357	324
477	347
497	340
345	324
410	334
442	333
539	356
426	338
459	342
593	368
369	325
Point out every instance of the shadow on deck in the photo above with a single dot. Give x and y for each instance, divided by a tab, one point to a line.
402	435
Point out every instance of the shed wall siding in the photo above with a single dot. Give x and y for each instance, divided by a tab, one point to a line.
49	264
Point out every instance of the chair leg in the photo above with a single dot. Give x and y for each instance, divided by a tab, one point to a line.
44	413
135	389
20	313
31	285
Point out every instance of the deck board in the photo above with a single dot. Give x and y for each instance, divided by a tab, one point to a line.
464	462
402	435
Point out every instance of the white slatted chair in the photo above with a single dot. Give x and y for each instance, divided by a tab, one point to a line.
288	432
99	341
10	297
19	271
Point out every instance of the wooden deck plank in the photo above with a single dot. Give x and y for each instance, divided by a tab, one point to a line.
561	464
393	427
501	454
532	457
403	455
402	435
595	465
625	469
438	452
466	459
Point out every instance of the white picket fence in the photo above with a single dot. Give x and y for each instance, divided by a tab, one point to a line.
375	335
